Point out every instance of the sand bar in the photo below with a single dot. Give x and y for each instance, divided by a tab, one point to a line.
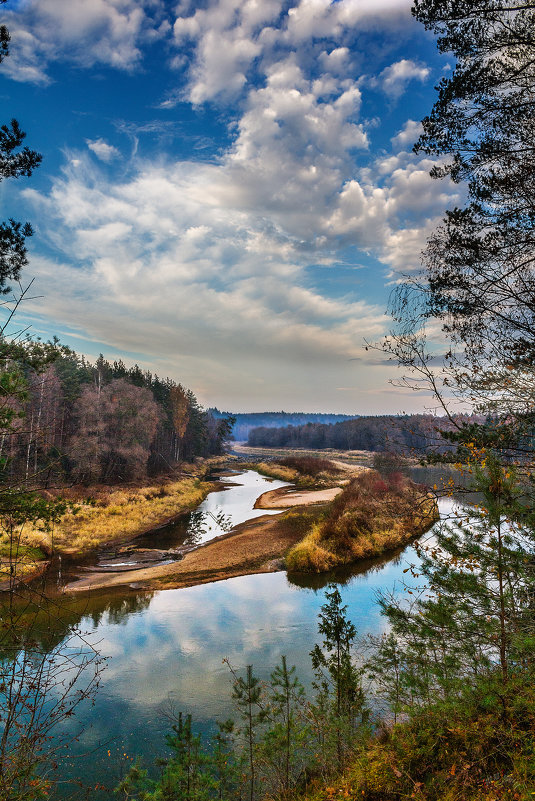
287	497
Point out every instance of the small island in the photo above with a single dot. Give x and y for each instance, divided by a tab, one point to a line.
373	514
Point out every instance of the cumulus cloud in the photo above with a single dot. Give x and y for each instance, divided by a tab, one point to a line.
394	79
204	266
86	32
227	37
408	135
102	149
232	37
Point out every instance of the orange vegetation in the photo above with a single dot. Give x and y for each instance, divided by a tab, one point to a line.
372	515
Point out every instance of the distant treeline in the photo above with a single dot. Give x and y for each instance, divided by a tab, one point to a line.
248	421
401	434
103	422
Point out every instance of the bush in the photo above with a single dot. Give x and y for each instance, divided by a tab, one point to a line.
373	514
309	465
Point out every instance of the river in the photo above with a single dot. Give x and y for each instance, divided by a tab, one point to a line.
166	648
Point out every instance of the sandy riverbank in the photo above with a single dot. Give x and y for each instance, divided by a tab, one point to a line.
255	546
287	497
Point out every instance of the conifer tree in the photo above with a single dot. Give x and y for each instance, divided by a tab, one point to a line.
248	698
284	741
337	681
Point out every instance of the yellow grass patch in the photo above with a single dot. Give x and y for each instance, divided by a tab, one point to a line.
120	515
308	556
370	517
273	470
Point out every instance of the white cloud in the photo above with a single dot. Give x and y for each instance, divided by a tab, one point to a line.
204	266
408	135
102	149
86	32
336	60
233	37
227	37
394	79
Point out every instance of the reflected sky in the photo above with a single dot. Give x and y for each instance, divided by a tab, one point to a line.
226	509
171	645
174	649
218	513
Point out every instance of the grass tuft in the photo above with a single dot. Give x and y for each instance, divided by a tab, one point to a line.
371	515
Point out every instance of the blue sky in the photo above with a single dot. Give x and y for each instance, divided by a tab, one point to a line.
228	191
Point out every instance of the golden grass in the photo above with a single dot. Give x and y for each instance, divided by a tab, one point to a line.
308	556
320	479
272	470
120	515
370	517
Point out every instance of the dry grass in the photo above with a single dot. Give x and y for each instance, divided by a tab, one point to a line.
306	472
310	465
19	562
308	556
273	470
119	515
371	516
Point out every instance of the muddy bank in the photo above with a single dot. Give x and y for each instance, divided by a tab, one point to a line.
23	573
256	546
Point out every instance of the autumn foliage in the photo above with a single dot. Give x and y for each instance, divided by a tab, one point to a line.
372	515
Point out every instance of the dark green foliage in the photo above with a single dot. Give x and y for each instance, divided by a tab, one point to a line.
15	161
285	748
247	696
226	767
480	261
339	703
185	775
471	624
5	39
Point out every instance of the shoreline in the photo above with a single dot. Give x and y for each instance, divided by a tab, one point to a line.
126	512
290	497
256	546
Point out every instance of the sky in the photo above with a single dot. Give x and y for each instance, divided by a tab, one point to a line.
228	193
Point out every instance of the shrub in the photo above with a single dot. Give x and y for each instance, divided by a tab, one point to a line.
309	465
371	515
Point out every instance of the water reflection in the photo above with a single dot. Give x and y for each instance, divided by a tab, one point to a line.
171	644
174	648
217	514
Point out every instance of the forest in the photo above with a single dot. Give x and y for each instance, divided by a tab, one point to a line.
246	422
101	423
404	434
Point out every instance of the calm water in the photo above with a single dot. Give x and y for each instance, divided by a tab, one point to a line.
166	648
219	512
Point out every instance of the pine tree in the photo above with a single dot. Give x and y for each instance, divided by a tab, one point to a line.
339	697
284	741
470	627
248	698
